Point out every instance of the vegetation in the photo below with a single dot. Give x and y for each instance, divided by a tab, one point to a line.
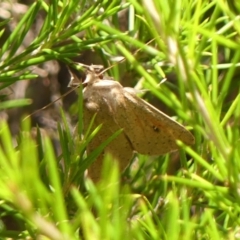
186	53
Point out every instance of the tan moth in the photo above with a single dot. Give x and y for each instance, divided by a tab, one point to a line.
146	129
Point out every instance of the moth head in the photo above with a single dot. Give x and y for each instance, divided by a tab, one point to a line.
93	73
85	74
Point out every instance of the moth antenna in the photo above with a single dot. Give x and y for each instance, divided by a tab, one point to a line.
106	69
48	105
138	50
123	58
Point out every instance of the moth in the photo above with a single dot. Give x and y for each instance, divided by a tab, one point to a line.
145	129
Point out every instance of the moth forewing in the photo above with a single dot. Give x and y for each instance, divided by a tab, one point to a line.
154	133
99	98
112	146
97	152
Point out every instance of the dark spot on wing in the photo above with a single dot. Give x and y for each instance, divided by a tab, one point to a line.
156	129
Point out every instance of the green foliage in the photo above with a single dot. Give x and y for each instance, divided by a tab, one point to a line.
46	195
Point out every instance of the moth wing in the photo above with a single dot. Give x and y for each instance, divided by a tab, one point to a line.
150	131
120	147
